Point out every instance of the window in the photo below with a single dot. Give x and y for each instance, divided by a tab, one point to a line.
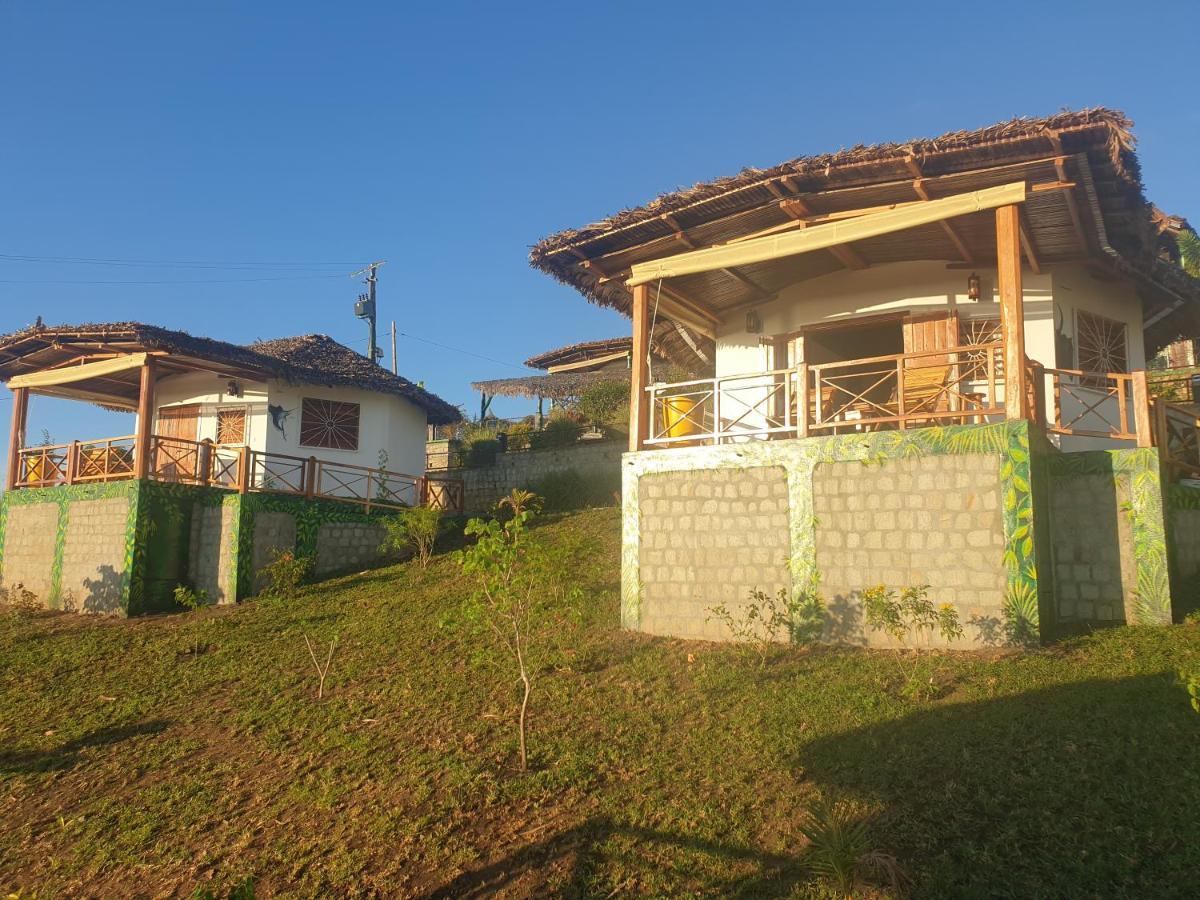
971	333
1101	343
329	423
231	426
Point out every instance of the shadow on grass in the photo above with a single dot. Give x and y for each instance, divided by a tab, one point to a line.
1089	788
580	855
66	755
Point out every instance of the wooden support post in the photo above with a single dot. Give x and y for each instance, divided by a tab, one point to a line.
1143	422
16	435
311	476
73	461
145	421
245	461
1012	311
802	400
639	400
204	462
1038	371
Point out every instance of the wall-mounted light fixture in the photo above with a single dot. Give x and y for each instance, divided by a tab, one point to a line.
973	287
232	388
753	323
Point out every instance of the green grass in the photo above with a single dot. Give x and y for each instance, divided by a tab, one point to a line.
187	753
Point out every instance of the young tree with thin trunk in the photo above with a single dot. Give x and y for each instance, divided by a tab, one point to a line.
516	585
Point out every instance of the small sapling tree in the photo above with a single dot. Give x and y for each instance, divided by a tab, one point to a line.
516	584
417	528
763	621
909	615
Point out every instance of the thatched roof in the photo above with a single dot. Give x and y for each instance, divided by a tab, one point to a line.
1103	217
584	350
313	359
553	386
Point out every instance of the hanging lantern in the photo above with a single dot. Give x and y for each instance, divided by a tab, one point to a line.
973	287
753	323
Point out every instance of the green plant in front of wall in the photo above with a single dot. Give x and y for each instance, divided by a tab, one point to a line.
907	616
520	585
764	621
21	601
285	574
560	431
417	528
190	598
569	489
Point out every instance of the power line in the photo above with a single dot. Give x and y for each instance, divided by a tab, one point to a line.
166	263
442	346
170	281
500	362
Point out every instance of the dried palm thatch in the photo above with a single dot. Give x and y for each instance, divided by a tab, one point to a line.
1103	217
584	350
313	359
560	386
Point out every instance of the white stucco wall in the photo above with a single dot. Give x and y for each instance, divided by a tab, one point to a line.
387	422
207	390
1051	301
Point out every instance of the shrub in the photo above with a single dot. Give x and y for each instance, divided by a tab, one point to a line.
285	573
570	489
839	846
478	451
912	612
560	431
606	405
764	620
188	598
416	528
21	601
520	435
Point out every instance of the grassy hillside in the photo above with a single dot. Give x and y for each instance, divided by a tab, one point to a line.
187	753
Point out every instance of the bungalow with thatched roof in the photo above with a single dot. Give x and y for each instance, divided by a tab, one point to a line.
303	419
569	372
970	314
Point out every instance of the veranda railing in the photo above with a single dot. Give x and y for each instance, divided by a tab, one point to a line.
238	468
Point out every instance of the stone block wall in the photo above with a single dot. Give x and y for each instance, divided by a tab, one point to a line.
951	508
30	548
485	485
342	546
1091	541
94	572
274	533
709	538
211	551
924	520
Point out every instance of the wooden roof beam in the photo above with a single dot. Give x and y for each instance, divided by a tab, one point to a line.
1072	204
920	190
681	235
1027	244
822	237
843	253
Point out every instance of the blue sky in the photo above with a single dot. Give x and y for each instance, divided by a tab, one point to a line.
447	138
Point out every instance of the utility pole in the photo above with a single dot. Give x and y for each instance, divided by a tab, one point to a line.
394	372
364	308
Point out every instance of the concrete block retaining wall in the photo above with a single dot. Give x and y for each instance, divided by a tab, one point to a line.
123	547
1021	539
485	485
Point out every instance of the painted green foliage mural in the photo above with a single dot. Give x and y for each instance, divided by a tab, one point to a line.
1009	440
1141	470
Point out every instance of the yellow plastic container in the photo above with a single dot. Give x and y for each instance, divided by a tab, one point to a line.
675	412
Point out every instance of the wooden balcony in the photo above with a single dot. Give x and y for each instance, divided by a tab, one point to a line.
903	390
952	386
236	468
